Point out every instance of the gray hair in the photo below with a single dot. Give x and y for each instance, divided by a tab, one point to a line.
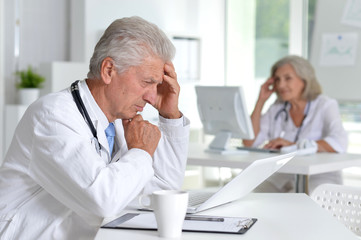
128	41
305	71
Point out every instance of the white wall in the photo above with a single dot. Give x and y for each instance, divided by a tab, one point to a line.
2	60
178	16
44	36
9	46
212	33
201	18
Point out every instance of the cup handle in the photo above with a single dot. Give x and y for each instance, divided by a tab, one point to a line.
140	200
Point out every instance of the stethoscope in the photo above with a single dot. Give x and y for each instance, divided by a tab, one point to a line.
284	109
79	103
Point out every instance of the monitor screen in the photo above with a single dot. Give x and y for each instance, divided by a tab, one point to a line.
223	112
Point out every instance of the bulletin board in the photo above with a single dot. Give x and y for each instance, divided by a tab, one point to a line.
336	48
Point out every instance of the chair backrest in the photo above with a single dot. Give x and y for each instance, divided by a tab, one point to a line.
343	202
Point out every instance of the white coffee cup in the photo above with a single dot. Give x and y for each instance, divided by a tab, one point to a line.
170	207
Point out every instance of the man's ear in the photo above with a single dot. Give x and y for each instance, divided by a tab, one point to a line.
107	70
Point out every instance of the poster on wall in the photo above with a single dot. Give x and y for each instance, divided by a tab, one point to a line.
352	13
338	49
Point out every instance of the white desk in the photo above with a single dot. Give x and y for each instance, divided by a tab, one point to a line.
287	216
301	165
306	165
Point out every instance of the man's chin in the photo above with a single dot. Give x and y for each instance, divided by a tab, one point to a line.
131	116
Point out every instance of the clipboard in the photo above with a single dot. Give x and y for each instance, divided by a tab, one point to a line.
192	223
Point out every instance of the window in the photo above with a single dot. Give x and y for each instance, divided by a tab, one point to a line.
259	32
272	34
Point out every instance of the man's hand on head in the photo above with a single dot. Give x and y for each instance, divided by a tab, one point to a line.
168	94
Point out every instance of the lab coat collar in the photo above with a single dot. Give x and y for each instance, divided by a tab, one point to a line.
97	116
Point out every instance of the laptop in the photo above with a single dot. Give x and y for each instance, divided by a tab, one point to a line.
241	185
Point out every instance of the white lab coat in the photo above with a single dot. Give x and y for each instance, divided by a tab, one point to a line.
323	121
53	183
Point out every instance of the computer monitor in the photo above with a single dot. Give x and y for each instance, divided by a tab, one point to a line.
223	112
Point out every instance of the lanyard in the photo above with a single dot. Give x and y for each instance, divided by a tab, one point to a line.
284	109
81	107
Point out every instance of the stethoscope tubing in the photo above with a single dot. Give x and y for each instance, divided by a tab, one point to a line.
284	109
81	107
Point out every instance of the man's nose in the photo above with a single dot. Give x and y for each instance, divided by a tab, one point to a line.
150	96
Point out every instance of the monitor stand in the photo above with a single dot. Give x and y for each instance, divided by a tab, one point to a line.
220	145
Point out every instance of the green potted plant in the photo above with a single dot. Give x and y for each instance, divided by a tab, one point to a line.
29	84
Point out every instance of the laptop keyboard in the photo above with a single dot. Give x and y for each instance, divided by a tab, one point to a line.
198	197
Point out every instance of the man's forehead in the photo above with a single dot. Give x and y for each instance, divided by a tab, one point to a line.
153	70
153	62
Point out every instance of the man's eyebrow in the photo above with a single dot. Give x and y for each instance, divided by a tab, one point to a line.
156	81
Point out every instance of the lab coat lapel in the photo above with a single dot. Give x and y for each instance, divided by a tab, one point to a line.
119	133
101	136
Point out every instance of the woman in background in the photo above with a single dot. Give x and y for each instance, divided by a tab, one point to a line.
300	115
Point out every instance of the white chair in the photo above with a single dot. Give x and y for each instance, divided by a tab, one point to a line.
343	202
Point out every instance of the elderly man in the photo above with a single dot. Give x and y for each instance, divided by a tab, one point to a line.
84	153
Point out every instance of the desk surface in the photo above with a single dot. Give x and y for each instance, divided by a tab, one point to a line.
306	165
280	216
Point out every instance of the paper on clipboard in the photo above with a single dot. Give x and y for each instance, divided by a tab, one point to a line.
146	221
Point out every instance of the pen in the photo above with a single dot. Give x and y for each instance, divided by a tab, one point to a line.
201	218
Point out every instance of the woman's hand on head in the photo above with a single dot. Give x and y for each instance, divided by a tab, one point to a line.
267	89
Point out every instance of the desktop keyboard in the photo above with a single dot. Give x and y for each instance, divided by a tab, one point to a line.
253	149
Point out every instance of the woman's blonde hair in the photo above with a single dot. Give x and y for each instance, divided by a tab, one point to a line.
305	71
